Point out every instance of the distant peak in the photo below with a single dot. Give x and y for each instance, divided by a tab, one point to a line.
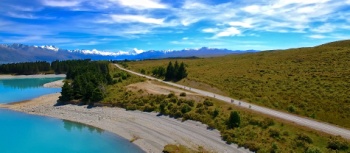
49	47
138	51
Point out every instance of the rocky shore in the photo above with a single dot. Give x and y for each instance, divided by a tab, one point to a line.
147	130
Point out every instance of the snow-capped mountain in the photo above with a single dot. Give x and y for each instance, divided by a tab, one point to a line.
48	47
23	53
135	51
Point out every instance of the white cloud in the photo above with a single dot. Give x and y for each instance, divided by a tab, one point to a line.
22	16
144	4
317	36
210	30
244	24
232	31
193	11
183	42
36	39
324	28
89	43
4	23
25	8
252	9
135	19
61	3
291	15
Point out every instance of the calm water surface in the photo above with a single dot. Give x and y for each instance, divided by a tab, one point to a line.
24	133
14	90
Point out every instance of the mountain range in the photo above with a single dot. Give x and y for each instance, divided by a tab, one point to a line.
10	53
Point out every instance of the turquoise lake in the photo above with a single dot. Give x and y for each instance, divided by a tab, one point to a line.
24	133
15	90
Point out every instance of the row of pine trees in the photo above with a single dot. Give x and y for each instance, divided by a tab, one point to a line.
26	68
173	72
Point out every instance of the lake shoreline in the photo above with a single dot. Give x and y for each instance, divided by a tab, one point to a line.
147	130
31	76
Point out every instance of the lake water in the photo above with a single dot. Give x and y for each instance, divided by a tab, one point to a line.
20	132
14	90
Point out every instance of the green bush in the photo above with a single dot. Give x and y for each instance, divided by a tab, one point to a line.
183	94
178	114
185	108
207	102
274	133
170	95
337	144
313	150
131	107
199	105
148	108
234	120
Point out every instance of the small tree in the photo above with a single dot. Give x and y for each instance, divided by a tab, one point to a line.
169	72
66	93
109	79
97	95
234	120
161	71
176	71
162	108
143	71
215	113
182	73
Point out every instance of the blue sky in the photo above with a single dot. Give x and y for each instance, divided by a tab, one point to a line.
114	25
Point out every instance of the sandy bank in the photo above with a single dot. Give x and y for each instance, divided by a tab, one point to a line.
55	84
31	76
152	132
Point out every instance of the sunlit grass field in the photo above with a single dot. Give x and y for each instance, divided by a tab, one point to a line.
312	82
257	132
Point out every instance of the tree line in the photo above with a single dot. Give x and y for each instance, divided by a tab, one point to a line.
86	82
30	68
25	68
173	72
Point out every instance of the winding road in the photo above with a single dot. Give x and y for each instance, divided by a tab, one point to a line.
307	122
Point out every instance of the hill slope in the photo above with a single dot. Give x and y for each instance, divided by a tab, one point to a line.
312	82
342	43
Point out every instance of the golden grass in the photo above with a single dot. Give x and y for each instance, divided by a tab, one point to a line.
257	132
312	82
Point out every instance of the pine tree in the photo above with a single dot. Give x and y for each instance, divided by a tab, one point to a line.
182	73
67	93
96	95
109	79
169	72
234	120
161	71
176	71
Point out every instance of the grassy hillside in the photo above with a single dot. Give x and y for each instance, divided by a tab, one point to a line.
341	43
257	132
313	82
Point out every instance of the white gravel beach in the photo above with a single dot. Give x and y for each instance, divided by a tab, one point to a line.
147	130
151	132
55	84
